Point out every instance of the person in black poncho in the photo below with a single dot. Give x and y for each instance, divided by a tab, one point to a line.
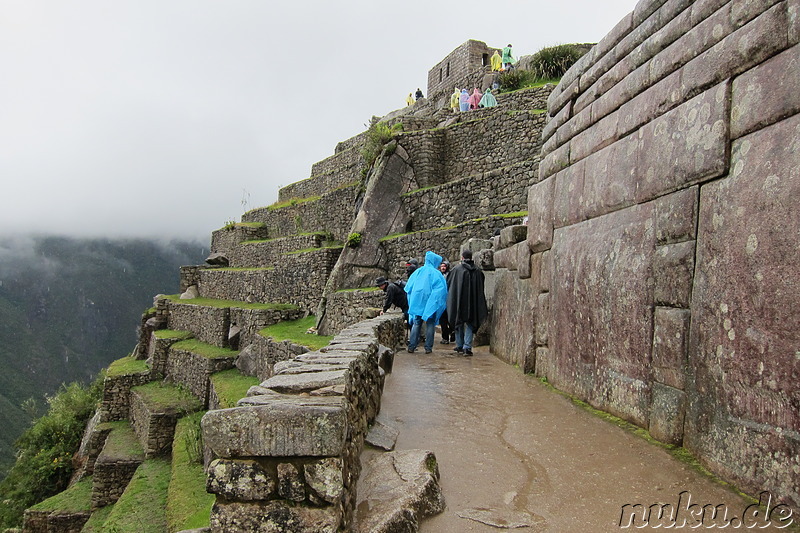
466	302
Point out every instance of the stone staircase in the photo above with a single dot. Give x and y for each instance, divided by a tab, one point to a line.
287	423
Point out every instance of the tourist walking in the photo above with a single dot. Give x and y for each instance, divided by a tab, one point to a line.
488	99
463	100
454	100
496	61
448	333
410	99
475	98
418	94
466	302
427	299
508	59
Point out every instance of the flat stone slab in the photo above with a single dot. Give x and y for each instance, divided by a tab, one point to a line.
280	427
382	436
311	367
296	383
396	490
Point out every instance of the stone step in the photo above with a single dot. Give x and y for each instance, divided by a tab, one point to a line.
340	169
500	190
155	409
267	253
65	512
331	212
143	505
191	363
226	238
121	456
228	387
226	323
299	279
121	376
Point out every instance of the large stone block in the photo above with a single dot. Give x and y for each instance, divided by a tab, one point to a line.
766	94
273	517
240	479
746	316
547	271
536	271
305	381
540	215
523	259
302	426
511	235
505	258
567	202
685	146
610	179
670	339
676	216
667	414
794	22
541	325
673	270
738	52
649	104
600	135
514	319
555	161
600	331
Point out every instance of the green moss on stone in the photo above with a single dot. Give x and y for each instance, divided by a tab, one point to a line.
143	506
126	366
209	351
165	397
231	386
77	498
295	331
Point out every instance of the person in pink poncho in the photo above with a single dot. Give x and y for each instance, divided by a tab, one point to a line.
475	98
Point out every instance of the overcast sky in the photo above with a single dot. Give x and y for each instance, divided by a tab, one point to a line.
158	117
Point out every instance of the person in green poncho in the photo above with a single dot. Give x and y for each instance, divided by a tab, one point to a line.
496	62
508	59
454	103
488	99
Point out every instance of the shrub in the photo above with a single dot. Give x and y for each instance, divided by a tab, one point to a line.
354	240
554	61
44	451
511	80
378	135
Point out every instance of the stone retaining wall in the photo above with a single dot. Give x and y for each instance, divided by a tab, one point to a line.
298	279
225	239
155	429
193	370
332	213
502	190
340	169
345	308
208	324
261	254
259	356
669	179
304	470
115	404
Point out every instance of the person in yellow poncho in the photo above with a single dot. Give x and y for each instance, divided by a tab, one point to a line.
454	103
410	99
497	62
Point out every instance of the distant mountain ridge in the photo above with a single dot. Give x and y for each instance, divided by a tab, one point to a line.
67	306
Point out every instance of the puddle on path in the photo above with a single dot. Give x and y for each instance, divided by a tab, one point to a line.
508	447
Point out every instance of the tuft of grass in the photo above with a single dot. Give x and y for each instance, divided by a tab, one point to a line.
75	499
295	331
173	334
209	351
166	397
210	302
127	365
377	136
231	386
188	503
143	506
554	61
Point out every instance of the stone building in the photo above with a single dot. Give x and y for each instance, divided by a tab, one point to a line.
463	67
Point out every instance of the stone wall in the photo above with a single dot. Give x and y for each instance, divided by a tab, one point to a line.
225	239
298	279
262	254
304	470
338	170
115	404
498	191
259	356
670	176
193	370
332	213
345	308
463	67
209	324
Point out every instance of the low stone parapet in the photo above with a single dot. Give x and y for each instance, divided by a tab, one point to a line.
122	375
289	453
347	307
258	358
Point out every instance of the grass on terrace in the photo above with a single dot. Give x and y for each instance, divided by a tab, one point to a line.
188	503
143	506
165	397
231	386
295	331
209	351
210	302
75	499
122	442
125	366
173	334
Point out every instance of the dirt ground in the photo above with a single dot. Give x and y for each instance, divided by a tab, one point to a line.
513	452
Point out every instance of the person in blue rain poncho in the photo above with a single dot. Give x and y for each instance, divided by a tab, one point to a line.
427	300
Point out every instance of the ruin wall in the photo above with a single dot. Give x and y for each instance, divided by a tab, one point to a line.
663	234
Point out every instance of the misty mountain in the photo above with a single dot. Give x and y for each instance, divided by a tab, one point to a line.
68	307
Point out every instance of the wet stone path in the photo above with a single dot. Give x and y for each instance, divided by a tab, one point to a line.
513	452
